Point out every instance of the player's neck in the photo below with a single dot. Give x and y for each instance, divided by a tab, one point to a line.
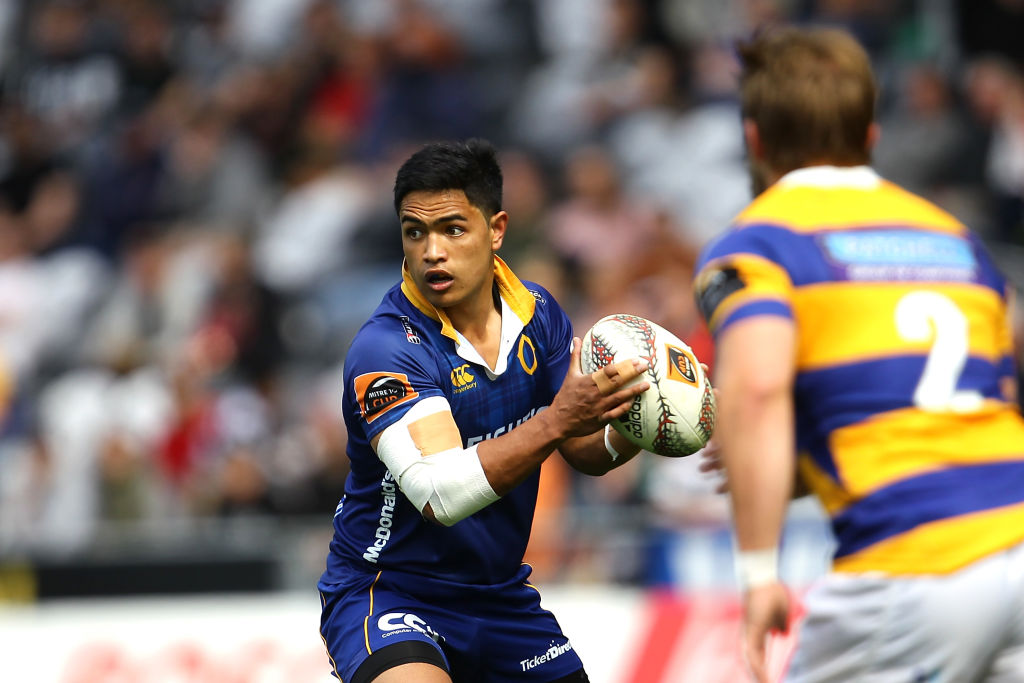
479	321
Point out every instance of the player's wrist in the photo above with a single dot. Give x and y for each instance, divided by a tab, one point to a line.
550	427
755	568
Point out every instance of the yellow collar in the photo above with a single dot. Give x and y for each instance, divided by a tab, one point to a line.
515	294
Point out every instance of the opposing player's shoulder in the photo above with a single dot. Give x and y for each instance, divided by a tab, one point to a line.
737	239
924	212
774	205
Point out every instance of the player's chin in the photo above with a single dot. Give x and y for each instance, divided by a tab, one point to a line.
440	299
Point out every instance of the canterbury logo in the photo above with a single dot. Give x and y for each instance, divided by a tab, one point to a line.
461	376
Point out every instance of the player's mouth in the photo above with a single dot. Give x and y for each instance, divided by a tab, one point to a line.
438	280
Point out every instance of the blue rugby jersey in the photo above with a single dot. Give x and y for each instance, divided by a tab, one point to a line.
903	428
404	353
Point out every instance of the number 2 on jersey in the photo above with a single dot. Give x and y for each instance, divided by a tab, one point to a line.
923	316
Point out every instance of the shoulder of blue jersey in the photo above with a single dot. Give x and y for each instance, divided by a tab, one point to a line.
542	295
388	342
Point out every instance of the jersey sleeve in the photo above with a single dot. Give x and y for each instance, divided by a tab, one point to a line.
385	376
558	342
742	275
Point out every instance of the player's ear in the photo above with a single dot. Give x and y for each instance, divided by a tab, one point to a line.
752	136
874	133
499	223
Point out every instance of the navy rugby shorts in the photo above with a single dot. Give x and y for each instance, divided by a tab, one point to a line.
493	635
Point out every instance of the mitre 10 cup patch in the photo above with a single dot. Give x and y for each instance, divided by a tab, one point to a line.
681	366
379	392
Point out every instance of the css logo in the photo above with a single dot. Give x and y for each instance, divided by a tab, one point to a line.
395	621
461	376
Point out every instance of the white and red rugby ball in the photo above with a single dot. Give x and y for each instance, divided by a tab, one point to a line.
676	416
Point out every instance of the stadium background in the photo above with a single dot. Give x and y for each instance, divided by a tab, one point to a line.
195	217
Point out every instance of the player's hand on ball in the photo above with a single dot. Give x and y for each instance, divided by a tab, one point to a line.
677	416
711	463
586	402
711	455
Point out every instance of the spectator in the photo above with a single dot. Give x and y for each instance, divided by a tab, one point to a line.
61	78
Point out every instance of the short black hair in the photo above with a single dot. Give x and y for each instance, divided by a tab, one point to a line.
471	166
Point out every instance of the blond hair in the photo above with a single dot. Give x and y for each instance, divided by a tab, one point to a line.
811	93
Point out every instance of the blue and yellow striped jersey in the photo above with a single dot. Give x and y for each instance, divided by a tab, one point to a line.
406	352
904	428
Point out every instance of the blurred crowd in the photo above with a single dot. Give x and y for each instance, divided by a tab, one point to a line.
195	213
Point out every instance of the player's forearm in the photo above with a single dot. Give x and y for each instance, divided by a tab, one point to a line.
755	425
591	454
579	410
512	457
756	440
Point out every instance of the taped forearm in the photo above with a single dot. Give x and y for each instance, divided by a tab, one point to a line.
451	479
452	482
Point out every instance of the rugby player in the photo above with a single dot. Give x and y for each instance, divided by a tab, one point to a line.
459	386
863	341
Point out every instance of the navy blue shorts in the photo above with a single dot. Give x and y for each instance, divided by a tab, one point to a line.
486	636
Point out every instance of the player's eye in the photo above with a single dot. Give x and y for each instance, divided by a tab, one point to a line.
455	230
413	233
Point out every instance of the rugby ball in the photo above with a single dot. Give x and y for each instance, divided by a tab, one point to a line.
676	416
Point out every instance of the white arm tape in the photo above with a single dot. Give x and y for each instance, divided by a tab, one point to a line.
608	443
452	481
757	567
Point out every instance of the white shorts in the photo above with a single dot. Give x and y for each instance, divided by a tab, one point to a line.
959	628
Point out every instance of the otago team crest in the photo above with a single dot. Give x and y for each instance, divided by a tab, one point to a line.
681	367
379	392
527	354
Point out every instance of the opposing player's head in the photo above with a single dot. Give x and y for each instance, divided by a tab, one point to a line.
808	98
448	199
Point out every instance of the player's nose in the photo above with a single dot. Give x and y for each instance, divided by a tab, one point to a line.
434	248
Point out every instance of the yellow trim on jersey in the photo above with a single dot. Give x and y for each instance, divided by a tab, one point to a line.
846	322
516	295
942	546
900	444
832	496
366	621
801	208
412	293
768	281
513	291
